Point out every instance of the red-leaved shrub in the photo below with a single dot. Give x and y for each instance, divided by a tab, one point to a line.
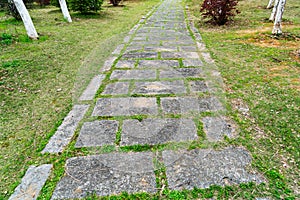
219	11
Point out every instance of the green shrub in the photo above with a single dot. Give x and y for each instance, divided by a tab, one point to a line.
6	39
85	6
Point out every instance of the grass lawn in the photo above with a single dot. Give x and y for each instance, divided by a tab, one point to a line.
39	81
262	73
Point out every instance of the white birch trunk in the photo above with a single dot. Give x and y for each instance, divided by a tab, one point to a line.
277	23
31	32
273	14
270	4
64	9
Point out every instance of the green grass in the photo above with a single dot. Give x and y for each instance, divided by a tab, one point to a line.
263	72
39	80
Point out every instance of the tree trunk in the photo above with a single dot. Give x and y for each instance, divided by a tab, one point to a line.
273	14
31	32
64	9
270	4
277	23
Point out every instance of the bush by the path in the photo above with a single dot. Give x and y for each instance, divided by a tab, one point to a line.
85	6
219	11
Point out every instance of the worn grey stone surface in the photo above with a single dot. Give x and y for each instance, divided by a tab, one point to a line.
117	88
134	48
157	131
108	64
97	133
179	105
125	106
126	39
133	74
198	86
210	104
188	48
179	43
184	105
137	55
160	48
184	55
92	88
158	63
205	167
192	63
118	50
160	87
66	130
125	64
181	73
217	127
107	174
32	183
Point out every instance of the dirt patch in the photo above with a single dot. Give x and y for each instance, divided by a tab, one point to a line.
285	41
296	55
279	68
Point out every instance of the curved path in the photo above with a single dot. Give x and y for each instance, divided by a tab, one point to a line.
159	88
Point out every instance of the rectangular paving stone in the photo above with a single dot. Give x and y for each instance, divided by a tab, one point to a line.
92	88
203	168
125	106
184	55
210	104
181	73
125	64
139	38
127	39
118	50
179	43
157	131
158	63
117	88
134	48
108	64
97	133
133	74
107	174
138	55
179	105
160	87
160	48
162	38
216	128
192	62
32	183
188	48
66	130
183	105
198	86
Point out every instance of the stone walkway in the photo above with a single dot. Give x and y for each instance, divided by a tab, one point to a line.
157	91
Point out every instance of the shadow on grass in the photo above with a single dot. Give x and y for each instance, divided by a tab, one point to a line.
90	15
55	11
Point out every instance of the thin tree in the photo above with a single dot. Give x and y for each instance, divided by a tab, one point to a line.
278	18
64	9
270	4
30	29
273	14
